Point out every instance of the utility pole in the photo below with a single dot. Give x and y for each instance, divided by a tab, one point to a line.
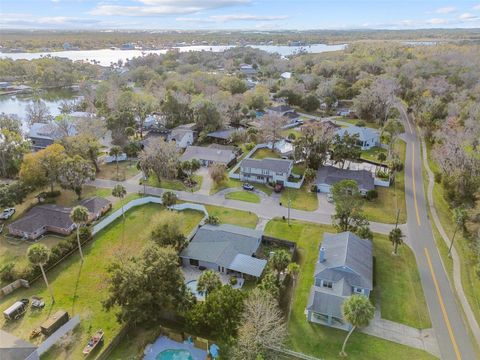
398	214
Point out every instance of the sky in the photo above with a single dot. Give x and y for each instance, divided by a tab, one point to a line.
238	14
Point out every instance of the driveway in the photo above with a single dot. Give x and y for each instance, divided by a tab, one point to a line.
206	182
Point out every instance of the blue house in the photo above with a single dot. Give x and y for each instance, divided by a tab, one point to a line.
344	267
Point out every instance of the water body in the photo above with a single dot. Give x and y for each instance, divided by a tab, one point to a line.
17	104
106	57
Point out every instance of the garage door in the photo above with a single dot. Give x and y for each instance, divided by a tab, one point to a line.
323	188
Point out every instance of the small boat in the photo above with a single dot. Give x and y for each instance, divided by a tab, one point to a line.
93	342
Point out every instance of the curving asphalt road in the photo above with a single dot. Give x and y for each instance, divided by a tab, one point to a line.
449	326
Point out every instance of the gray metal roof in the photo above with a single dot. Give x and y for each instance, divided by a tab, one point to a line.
364	133
220	244
275	165
331	175
346	257
48	131
13	348
280	108
248	265
221	156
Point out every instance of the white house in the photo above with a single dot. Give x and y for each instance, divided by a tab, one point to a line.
327	176
266	170
367	138
183	135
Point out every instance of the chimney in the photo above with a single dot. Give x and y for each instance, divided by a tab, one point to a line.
323	251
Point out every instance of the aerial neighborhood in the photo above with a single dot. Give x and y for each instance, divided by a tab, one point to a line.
241	195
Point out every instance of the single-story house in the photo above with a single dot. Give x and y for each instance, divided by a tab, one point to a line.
330	175
266	170
208	156
367	138
280	110
42	135
183	135
344	267
97	207
13	348
225	248
283	147
53	218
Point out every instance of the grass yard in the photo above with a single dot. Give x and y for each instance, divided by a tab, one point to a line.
368	124
372	154
302	199
393	286
384	208
232	216
126	170
81	288
265	153
174	184
287	132
317	340
243	195
232	183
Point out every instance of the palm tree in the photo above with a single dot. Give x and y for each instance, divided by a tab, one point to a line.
79	216
38	255
116	151
358	311
396	237
459	216
119	191
280	260
208	281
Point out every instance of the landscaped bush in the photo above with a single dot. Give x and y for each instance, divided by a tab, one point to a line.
233	280
314	188
371	194
213	220
361	123
7	272
249	146
438	177
85	233
383	175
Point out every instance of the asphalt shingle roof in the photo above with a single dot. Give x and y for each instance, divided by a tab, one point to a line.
364	133
275	165
221	245
205	153
95	204
13	348
331	175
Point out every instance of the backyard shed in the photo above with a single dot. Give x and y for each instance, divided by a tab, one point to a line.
55	322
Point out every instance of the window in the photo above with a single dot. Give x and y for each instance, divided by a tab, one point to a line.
193	262
327	284
260	177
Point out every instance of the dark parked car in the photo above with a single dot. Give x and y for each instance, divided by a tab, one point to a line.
278	188
247	186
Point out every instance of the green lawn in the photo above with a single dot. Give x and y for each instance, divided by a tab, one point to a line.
372	154
243	195
302	199
317	340
174	184
232	183
384	208
232	216
265	153
397	278
80	289
126	170
287	132
368	124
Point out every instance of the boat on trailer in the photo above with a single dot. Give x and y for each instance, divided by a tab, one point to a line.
93	342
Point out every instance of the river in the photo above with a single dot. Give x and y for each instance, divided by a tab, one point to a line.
106	57
17	104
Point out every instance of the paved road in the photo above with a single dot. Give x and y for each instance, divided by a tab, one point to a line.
445	313
267	209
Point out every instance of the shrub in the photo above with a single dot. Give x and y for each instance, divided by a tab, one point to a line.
361	123
383	175
249	146
382	157
371	194
7	272
438	177
314	188
85	233
291	136
233	280
213	220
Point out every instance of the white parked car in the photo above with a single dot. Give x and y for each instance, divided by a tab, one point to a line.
330	198
7	213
